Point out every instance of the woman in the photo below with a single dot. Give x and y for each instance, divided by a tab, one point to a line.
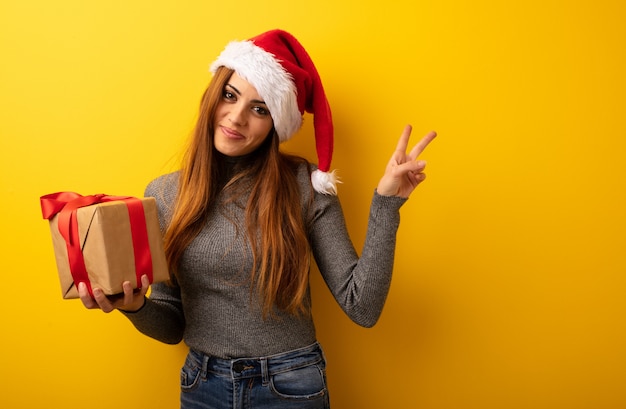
240	220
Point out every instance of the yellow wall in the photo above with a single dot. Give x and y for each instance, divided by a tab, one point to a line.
509	283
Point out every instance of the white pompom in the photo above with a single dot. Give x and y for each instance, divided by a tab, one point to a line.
325	182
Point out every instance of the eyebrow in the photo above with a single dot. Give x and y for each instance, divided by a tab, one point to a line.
256	101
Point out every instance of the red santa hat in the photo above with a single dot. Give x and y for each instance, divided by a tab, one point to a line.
284	75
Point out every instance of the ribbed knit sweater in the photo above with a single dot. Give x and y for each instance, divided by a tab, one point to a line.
212	308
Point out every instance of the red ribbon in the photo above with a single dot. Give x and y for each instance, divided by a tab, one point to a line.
65	205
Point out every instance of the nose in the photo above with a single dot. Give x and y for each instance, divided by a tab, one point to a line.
237	114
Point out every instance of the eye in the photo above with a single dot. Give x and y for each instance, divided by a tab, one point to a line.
228	95
260	110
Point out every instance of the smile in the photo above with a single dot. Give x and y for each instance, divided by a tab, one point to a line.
231	133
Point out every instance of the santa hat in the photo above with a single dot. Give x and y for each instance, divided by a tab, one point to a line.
284	75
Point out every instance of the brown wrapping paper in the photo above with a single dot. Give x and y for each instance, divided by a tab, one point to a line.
104	231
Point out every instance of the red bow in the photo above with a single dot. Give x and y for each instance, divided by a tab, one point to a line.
65	205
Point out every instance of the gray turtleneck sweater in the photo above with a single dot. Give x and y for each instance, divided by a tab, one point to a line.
212	308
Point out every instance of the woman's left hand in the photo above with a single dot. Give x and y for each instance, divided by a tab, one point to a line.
404	172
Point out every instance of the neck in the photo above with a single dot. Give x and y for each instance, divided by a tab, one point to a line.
231	166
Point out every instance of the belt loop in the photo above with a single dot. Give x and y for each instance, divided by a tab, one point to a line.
205	365
264	372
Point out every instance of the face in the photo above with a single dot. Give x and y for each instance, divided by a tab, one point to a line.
242	119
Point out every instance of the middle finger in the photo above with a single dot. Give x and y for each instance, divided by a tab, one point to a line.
422	144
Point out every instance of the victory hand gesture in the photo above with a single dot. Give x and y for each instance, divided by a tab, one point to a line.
404	172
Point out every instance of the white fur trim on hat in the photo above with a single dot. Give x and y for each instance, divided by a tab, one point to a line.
325	182
273	83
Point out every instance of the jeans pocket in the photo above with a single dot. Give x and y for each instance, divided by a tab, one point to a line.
303	383
190	374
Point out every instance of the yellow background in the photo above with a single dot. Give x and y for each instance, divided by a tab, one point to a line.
509	284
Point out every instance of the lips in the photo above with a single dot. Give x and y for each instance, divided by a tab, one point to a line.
231	133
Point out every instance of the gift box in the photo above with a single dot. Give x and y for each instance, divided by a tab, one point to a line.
104	240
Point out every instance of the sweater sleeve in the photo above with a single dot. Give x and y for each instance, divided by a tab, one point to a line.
162	316
359	284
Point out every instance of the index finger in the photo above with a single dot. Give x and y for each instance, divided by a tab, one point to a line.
403	142
422	144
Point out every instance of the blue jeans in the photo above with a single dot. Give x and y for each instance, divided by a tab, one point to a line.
294	379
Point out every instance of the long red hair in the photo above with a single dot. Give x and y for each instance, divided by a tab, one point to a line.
275	224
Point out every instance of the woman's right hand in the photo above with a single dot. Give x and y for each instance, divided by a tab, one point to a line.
130	301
